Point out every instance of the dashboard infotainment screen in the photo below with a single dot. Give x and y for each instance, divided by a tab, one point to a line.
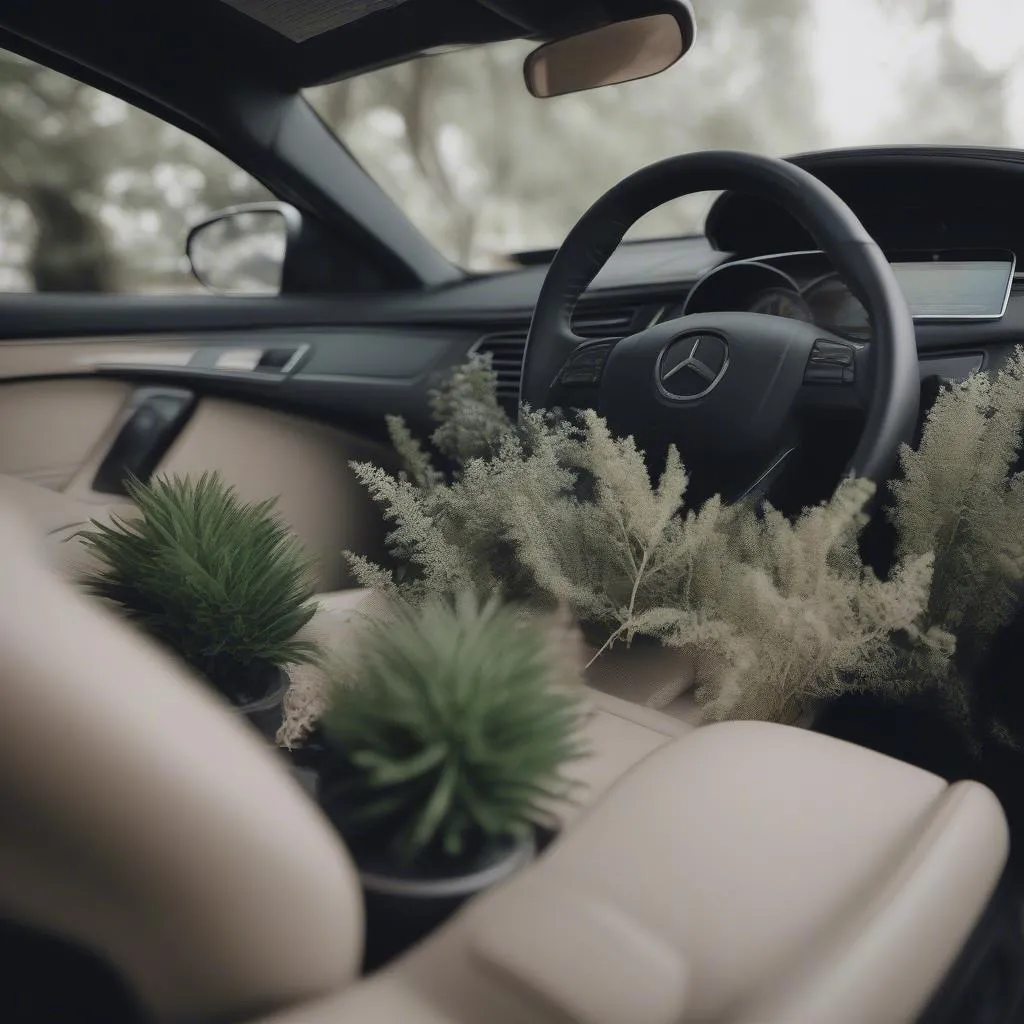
972	285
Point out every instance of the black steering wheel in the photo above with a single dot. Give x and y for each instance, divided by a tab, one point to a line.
727	388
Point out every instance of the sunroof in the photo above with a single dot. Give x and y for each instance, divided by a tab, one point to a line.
299	20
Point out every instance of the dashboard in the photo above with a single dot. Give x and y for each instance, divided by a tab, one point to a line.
947	218
944	285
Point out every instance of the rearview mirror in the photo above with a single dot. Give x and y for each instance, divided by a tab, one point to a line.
241	250
621	52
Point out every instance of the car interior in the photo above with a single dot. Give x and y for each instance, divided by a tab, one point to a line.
158	862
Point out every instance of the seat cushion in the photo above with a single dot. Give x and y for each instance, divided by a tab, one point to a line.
745	873
56	518
796	878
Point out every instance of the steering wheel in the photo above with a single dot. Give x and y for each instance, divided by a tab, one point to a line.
727	388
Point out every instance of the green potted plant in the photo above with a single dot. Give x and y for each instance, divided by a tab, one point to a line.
446	739
220	582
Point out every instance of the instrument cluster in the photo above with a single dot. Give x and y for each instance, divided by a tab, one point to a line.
756	286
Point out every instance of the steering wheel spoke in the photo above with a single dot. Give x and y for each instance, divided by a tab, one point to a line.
838	375
585	367
577	385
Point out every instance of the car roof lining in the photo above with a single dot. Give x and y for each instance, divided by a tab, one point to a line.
248	40
301	20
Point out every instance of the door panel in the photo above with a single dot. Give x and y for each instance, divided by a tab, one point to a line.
264	453
72	357
273	425
59	420
50	429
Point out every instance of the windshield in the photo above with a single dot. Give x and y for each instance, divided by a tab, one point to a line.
486	170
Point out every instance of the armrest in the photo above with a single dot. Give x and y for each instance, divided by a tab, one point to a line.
743	873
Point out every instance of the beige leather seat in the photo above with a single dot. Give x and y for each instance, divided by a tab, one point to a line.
740	873
56	518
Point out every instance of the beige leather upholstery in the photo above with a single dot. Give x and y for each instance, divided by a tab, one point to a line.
745	874
304	464
50	428
739	873
76	360
618	735
55	434
774	872
141	820
648	674
55	518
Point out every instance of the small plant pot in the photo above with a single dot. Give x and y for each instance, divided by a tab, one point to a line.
406	902
267	712
404	905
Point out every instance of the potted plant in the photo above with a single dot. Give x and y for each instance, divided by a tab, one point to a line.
762	615
220	582
446	739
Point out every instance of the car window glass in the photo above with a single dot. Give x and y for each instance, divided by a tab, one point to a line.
487	171
96	195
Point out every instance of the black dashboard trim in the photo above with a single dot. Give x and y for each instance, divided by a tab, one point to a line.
371	354
944	185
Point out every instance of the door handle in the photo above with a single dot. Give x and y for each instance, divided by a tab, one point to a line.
156	418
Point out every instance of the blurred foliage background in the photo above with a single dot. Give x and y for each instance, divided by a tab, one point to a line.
98	196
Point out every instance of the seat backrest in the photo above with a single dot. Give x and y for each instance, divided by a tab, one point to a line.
141	820
742	873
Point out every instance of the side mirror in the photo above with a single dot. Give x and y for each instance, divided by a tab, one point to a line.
620	52
241	250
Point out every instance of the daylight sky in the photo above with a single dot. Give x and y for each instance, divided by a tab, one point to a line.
859	56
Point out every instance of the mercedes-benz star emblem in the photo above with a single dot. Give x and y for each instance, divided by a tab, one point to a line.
692	366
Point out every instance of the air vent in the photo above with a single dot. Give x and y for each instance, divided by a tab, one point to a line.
506	352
